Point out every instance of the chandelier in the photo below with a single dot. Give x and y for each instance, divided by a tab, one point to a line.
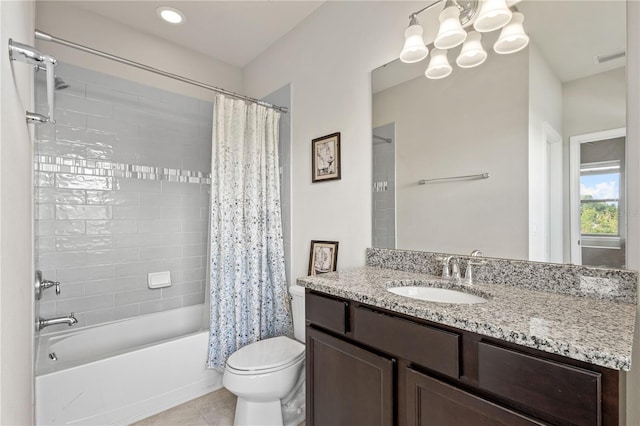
483	16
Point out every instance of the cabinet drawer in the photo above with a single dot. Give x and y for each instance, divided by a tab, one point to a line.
327	312
568	393
427	346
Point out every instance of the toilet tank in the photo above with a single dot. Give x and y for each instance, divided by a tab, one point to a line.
297	308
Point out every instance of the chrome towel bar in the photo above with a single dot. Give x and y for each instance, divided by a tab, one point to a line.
454	178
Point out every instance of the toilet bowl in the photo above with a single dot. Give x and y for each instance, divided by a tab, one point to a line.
268	376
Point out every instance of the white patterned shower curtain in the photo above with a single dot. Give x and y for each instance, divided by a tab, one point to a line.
249	299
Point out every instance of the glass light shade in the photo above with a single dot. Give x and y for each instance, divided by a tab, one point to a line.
512	37
171	15
493	14
439	66
472	53
450	33
414	49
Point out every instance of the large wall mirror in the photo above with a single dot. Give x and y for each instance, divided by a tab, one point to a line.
543	130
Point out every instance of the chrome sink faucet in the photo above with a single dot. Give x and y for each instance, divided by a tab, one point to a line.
454	273
69	320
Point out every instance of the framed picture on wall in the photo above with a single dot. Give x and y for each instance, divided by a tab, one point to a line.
325	158
323	257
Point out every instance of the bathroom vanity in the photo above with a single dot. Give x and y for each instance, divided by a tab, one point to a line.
525	357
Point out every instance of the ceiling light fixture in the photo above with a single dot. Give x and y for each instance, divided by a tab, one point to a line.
484	15
414	49
439	66
472	53
512	37
493	15
170	15
451	33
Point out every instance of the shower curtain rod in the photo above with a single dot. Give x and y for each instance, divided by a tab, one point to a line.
48	37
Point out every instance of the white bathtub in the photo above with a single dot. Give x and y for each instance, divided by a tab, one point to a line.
122	372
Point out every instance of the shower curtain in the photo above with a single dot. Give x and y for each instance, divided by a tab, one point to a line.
249	299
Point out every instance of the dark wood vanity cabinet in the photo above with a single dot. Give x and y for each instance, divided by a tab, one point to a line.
435	403
352	386
368	366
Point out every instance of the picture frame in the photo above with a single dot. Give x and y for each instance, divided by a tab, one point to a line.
323	257
325	158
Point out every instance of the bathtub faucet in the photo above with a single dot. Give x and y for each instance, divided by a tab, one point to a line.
70	320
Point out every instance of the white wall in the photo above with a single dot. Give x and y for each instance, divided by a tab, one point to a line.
16	240
64	20
456	137
595	103
633	193
545	110
328	59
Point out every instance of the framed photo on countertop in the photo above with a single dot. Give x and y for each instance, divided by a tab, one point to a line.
323	257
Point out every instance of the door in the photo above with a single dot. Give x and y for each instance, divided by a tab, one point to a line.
598	199
347	385
431	402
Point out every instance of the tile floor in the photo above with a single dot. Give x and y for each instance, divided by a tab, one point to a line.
213	409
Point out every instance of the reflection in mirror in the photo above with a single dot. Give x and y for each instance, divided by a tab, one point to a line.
512	117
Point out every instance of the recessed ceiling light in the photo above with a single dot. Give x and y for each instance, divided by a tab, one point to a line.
171	15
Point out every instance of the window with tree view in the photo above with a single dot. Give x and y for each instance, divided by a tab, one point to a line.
600	198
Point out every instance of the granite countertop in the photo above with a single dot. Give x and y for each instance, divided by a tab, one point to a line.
596	331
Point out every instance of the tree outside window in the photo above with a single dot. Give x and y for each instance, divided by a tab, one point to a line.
600	198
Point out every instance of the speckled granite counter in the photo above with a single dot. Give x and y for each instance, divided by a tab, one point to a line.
587	329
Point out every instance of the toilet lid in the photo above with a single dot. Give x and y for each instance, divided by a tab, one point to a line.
265	354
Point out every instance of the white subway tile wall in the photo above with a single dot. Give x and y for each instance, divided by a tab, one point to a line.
122	190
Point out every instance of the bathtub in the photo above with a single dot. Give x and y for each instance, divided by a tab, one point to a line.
124	371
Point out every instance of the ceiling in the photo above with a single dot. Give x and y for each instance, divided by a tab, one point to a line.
568	33
235	32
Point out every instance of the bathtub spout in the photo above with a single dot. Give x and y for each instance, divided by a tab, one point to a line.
70	320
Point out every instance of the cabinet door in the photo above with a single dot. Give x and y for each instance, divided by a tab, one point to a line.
346	385
435	403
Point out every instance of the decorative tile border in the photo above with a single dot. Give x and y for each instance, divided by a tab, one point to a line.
585	281
45	163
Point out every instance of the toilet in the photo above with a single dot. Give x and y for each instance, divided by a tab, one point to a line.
268	376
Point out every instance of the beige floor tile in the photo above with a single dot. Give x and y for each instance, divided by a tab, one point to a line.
213	409
218	408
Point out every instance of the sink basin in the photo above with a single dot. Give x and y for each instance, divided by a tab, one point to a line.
439	295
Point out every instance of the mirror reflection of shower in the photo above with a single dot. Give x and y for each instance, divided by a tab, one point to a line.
60	84
383	187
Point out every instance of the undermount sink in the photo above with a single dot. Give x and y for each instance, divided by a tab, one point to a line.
439	295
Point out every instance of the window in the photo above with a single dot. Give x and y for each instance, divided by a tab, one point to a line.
600	198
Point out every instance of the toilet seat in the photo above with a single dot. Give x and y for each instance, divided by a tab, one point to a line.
266	356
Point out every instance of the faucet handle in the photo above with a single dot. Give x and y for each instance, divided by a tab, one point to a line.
468	274
42	284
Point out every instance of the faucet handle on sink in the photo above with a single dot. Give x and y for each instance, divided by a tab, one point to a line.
468	273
